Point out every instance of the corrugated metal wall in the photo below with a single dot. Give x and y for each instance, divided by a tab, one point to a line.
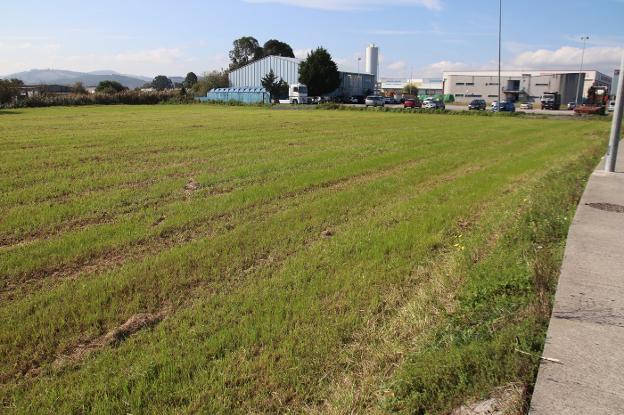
288	69
252	74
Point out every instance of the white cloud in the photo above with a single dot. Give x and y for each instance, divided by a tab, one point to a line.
346	5
437	68
570	57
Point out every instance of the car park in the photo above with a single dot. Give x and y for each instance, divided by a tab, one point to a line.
477	104
412	103
374	101
526	106
503	106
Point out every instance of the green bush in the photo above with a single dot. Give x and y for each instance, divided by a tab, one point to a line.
124	97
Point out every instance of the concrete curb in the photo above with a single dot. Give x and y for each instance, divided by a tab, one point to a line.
586	330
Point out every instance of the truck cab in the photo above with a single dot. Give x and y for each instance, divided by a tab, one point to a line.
551	101
298	94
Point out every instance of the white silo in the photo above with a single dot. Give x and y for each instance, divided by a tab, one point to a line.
372	59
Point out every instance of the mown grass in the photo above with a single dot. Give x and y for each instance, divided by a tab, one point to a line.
316	264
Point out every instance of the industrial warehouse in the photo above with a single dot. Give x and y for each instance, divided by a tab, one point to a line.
287	69
521	86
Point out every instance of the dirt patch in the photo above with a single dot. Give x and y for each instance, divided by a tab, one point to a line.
327	233
191	185
608	207
508	400
159	220
112	338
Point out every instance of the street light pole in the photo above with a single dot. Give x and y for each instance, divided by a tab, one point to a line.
616	124
578	86
500	20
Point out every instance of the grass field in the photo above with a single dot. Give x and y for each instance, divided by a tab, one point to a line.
247	260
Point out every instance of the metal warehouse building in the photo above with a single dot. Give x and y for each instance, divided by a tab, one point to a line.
351	83
516	85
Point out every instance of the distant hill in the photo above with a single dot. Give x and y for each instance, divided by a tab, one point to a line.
62	77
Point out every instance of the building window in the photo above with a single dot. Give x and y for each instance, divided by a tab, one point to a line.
492	83
474	95
459	95
492	96
469	83
459	83
542	84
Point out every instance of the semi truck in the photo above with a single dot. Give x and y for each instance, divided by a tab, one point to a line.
551	101
297	94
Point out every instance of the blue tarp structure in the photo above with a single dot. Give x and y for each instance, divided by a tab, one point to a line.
248	95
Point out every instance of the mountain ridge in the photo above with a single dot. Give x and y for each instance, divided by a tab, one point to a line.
66	77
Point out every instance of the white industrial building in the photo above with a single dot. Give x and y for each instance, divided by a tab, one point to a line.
351	83
521	85
426	86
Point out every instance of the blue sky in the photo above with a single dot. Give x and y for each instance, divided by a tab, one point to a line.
422	37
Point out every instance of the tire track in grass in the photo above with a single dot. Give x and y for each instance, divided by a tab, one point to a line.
225	361
250	178
278	252
151	245
287	195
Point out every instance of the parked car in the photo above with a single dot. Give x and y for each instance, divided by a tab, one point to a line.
374	101
356	99
571	105
389	100
412	103
433	104
477	104
611	106
526	106
503	106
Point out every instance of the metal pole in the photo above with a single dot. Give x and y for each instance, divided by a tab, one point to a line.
578	86
616	124
500	20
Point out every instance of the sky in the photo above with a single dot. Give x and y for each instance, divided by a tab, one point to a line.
418	38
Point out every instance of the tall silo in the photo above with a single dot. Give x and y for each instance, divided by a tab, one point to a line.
372	59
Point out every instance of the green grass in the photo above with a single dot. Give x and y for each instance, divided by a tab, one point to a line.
328	261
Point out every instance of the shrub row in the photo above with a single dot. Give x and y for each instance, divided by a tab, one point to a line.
124	97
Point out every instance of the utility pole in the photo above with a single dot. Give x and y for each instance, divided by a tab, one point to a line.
578	86
616	124
500	21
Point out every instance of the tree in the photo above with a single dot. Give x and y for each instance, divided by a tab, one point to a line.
78	88
9	89
319	72
277	48
190	80
245	50
410	89
278	88
161	82
211	80
109	87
